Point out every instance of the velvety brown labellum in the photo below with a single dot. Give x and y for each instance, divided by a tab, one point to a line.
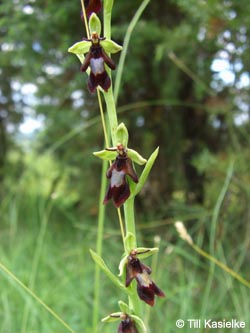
146	288
127	326
118	189
147	293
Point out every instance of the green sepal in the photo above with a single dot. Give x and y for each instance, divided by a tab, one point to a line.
81	58
139	324
124	307
129	242
100	262
80	47
95	24
106	155
136	157
112	317
147	252
122	265
145	172
109	46
122	135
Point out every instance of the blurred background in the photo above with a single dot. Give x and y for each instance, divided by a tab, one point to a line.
185	88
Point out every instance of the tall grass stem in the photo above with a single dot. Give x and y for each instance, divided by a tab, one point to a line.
33	295
127	37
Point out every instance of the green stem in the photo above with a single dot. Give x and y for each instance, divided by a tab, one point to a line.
101	215
134	302
107	13
130	218
215	217
36	260
221	265
218	205
112	116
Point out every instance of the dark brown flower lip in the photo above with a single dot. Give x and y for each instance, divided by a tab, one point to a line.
127	326
118	189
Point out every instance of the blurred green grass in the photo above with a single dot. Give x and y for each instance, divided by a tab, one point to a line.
46	245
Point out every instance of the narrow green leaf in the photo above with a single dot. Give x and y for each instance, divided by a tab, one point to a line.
136	157
146	172
80	47
110	46
95	24
106	155
122	135
99	261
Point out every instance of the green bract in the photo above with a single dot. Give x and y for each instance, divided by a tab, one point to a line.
109	46
95	24
80	47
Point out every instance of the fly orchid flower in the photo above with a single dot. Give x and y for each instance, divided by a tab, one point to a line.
95	59
118	188
146	288
93	52
92	6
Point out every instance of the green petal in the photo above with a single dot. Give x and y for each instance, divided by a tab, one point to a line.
109	46
136	157
95	24
148	252
80	47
